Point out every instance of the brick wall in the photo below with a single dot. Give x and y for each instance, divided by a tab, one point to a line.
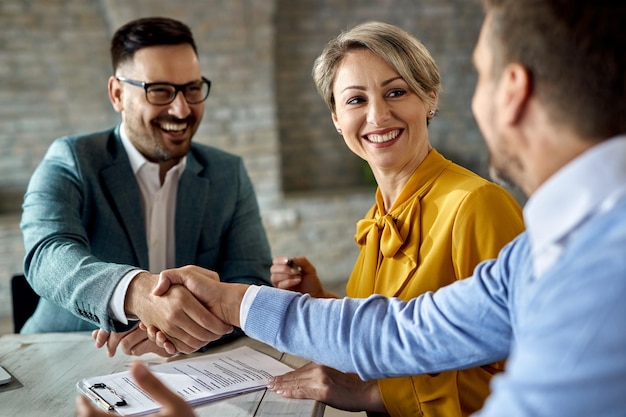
54	66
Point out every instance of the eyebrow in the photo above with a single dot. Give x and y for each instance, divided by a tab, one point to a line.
359	87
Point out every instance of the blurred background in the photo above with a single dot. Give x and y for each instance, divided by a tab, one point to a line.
54	66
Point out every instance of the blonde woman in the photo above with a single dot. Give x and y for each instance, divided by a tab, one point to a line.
432	222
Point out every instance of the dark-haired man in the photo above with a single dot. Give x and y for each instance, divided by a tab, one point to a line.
105	212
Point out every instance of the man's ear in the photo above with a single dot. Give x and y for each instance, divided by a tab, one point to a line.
515	91
115	94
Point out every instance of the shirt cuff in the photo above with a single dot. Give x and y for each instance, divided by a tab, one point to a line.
116	305
246	303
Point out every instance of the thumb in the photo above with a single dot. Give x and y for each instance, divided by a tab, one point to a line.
164	283
173	405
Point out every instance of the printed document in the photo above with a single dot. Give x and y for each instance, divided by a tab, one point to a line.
198	380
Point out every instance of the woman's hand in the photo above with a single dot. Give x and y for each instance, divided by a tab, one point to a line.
297	274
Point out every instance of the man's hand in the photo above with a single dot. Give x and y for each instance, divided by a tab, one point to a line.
344	391
297	274
223	300
186	322
133	342
173	405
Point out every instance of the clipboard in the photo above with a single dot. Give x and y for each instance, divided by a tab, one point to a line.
198	380
103	396
5	377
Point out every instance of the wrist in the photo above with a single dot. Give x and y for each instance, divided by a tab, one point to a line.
375	400
231	302
137	294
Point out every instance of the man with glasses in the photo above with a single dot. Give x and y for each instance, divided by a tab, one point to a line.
106	212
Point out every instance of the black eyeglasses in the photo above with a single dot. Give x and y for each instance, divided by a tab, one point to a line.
162	94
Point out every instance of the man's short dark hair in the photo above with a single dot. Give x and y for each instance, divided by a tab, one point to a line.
575	53
146	32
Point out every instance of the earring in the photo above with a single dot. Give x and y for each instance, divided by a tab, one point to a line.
432	112
339	131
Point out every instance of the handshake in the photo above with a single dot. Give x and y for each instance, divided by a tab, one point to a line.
180	310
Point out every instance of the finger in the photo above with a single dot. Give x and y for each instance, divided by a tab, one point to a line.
280	260
290	376
194	322
171	402
306	371
209	321
294	388
162	285
161	341
132	339
187	344
282	265
303	382
169	347
152	332
112	343
183	347
303	263
101	336
288	283
147	346
116	339
294	267
166	314
190	276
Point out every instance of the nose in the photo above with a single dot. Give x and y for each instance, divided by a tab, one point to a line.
179	107
378	112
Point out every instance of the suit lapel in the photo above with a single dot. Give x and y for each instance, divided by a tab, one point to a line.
191	202
119	181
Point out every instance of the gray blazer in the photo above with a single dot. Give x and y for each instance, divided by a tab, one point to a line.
84	229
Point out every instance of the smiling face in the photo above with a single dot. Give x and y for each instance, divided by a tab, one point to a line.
162	134
381	119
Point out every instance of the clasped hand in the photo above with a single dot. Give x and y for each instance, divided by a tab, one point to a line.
297	274
187	316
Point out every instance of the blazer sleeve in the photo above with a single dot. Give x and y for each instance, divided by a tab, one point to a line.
59	264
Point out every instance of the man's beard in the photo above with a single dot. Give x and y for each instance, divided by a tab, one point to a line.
502	168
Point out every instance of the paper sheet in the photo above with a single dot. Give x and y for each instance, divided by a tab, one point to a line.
198	380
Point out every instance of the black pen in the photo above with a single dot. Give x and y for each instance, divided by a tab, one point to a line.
291	264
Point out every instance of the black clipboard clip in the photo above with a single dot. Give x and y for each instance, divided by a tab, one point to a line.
105	396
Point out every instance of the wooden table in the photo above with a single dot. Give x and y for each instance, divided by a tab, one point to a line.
46	367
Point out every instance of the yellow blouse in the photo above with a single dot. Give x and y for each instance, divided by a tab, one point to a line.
445	221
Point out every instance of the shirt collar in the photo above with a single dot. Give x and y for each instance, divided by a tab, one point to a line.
575	192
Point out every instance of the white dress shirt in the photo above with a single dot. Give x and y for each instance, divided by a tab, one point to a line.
158	204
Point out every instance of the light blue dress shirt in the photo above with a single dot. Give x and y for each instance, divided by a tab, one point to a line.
553	303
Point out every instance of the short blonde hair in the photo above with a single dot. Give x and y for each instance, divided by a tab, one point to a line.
400	49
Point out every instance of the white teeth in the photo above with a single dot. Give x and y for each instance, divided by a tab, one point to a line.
174	127
383	138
